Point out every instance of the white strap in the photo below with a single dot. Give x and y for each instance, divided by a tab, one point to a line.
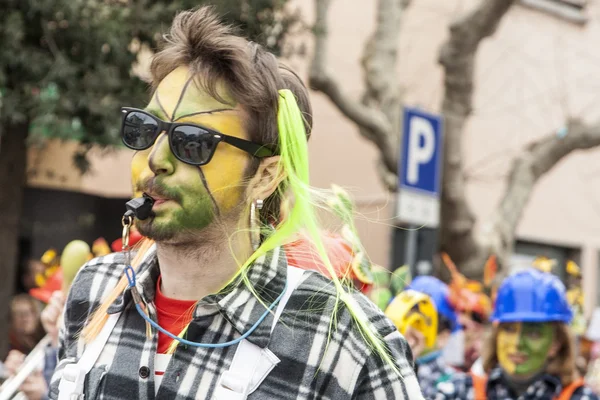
252	364
294	277
249	367
92	351
73	377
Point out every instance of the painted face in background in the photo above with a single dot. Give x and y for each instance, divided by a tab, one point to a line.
188	198
474	332
523	348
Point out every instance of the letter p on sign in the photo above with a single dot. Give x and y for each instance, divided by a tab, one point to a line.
421	144
421	158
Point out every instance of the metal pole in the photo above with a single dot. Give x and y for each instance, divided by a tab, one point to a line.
410	251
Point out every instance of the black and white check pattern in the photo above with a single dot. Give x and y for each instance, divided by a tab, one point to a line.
310	367
431	373
547	387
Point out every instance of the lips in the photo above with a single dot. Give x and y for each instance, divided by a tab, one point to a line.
518	358
158	200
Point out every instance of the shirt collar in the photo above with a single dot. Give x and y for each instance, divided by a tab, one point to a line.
236	302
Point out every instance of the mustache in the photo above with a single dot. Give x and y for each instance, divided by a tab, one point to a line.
154	188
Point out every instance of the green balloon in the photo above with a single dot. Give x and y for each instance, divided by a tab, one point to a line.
73	257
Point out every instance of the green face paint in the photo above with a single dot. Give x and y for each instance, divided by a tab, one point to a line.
198	194
523	348
190	209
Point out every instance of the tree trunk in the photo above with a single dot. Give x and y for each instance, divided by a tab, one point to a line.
13	162
467	249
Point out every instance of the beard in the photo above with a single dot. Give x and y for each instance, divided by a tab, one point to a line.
175	229
152	231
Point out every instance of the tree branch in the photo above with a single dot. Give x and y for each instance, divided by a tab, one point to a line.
536	160
374	124
457	56
379	60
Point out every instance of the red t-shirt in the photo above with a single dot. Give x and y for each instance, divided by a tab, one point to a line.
173	315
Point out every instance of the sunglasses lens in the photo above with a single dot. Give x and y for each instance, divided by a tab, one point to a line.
139	130
192	144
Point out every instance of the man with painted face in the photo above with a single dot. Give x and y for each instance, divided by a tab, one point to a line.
529	354
431	368
208	307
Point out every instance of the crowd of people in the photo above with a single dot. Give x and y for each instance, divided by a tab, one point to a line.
466	345
521	348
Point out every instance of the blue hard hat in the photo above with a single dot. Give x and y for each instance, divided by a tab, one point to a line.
438	292
532	296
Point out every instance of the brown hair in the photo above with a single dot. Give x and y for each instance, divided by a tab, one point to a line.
252	76
562	365
25	343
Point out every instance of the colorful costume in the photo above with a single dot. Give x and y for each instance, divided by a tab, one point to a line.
431	367
471	300
531	346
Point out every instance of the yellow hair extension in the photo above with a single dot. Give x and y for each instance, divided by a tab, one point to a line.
100	316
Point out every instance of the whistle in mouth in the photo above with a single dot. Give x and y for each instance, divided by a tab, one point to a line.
140	207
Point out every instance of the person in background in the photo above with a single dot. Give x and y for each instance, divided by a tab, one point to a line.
473	307
52	293
25	326
530	353
35	387
31	268
431	367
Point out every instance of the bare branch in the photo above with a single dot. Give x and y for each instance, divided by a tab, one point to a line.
536	160
379	62
381	53
374	124
457	56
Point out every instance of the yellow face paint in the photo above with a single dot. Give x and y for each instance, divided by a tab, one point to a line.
507	345
197	194
523	348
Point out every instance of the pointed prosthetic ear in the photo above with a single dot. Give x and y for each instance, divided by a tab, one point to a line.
267	178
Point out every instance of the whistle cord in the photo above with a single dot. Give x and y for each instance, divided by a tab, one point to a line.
130	273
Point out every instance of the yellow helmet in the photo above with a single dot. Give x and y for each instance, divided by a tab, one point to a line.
416	310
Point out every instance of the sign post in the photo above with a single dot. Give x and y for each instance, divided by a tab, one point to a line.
420	170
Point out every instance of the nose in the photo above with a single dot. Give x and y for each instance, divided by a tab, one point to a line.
161	160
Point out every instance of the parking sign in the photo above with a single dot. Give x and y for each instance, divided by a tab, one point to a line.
420	168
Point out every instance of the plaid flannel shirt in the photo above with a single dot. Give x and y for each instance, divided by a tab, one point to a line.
548	387
310	367
433	372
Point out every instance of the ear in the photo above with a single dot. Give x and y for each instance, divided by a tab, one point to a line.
267	178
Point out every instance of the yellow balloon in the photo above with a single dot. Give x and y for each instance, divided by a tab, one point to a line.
74	256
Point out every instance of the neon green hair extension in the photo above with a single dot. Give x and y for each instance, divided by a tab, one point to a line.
302	216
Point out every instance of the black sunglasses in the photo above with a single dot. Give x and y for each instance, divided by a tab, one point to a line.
191	144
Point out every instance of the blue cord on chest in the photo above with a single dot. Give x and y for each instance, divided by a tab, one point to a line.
130	273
